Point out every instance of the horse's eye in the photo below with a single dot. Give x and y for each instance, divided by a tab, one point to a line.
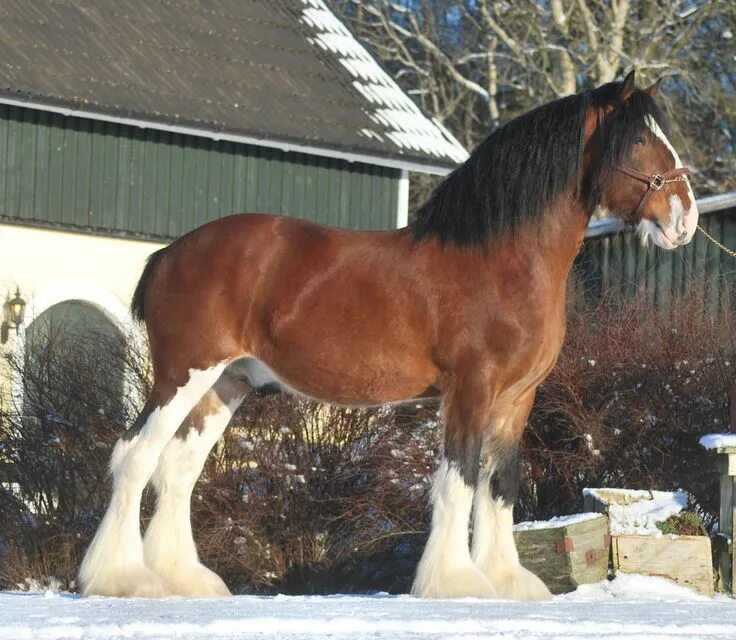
640	141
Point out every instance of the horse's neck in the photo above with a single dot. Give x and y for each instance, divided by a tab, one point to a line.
543	249
560	236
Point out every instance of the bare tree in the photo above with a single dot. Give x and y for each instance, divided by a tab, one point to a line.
475	64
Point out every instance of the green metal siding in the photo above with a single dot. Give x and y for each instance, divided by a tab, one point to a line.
92	175
615	265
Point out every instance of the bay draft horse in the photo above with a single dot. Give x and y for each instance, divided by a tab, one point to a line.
467	303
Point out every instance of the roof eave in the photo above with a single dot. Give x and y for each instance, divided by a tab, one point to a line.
146	121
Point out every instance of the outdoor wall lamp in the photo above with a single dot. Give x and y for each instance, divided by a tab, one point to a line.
14	311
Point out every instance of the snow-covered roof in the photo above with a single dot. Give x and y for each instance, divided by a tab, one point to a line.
277	73
394	115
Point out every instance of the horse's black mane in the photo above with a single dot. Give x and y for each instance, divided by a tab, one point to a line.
520	168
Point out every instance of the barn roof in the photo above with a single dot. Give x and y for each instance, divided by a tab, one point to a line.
283	73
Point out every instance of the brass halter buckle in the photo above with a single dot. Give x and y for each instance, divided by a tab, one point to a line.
657	182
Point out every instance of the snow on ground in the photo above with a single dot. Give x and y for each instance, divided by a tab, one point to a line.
629	608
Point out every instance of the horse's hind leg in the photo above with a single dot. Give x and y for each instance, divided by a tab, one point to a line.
114	564
446	569
168	545
494	549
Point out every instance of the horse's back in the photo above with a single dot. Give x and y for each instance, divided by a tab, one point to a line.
301	297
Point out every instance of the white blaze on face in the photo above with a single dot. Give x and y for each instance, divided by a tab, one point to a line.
683	223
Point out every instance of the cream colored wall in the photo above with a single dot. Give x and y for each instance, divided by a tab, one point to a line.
52	266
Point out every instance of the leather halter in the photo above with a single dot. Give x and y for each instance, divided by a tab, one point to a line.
655	181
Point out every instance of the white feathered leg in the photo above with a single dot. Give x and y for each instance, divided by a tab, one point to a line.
114	564
169	547
446	569
494	549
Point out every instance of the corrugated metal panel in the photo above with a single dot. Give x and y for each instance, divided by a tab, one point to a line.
615	264
101	176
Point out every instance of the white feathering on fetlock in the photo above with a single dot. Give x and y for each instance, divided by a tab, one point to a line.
169	546
446	569
494	550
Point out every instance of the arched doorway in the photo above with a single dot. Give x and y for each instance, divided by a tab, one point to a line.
74	364
72	400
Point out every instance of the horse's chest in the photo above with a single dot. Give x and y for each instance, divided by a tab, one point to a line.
527	361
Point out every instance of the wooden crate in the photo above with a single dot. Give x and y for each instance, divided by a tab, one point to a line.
568	555
684	559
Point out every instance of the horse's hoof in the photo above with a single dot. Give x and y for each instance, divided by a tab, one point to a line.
196	580
127	582
521	584
454	582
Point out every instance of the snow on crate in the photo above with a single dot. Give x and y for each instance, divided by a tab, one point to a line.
638	545
558	521
634	512
718	440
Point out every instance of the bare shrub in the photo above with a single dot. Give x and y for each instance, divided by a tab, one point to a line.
306	498
633	391
56	437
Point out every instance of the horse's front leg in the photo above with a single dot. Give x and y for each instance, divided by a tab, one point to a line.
494	549
446	569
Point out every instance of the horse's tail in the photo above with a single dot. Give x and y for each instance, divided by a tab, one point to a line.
137	305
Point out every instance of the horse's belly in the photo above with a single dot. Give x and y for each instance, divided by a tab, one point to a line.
367	388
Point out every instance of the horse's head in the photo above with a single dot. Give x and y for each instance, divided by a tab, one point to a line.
639	176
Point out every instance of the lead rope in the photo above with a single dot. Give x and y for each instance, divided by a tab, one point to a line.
715	242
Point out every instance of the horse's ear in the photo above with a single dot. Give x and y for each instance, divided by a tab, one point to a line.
654	89
627	87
